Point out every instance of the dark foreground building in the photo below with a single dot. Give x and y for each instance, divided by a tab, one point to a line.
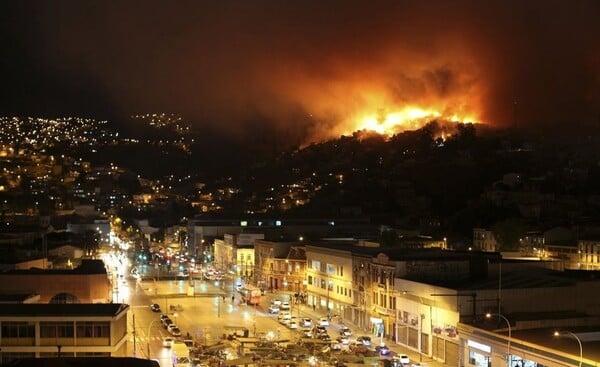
84	362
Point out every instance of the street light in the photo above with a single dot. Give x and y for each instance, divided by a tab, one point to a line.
489	315
150	326
558	334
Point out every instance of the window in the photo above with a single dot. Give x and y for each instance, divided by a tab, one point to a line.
330	269
92	329
310	279
17	330
56	330
93	354
63	298
316	265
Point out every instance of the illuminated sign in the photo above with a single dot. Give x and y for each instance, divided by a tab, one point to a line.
482	347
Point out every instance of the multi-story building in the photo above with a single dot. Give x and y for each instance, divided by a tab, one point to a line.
280	265
226	250
589	254
87	283
555	340
329	277
202	231
484	240
67	330
431	313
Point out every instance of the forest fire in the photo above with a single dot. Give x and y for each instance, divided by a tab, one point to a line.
408	118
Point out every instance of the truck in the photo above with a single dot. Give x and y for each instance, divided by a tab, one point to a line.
180	355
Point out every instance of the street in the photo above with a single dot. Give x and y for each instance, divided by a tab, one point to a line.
207	311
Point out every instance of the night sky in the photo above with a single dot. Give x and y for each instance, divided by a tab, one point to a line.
303	68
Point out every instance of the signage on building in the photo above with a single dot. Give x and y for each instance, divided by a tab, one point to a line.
482	347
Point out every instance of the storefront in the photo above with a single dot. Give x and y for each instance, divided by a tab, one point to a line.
377	327
479	354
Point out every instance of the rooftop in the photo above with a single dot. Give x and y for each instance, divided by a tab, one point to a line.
70	309
84	362
87	266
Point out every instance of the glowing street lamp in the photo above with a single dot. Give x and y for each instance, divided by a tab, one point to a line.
489	315
149	327
560	333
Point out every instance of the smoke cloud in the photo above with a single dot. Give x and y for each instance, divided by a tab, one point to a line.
303	70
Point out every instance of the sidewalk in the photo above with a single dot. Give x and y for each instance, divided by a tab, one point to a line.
302	310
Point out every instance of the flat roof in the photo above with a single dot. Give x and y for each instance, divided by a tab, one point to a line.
70	309
84	362
88	266
544	337
527	277
17	297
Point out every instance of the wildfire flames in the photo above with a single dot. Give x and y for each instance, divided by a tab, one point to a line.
408	118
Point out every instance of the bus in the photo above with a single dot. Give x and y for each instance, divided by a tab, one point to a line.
250	294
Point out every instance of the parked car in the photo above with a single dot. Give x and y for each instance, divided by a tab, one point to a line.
323	321
320	330
325	337
285	306
166	322
189	343
168	341
345	331
383	350
174	330
359	348
163	316
336	347
276	302
284	316
306	322
402	359
342	339
293	324
364	340
273	309
306	332
155	307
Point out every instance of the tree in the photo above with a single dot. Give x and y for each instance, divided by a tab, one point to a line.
388	238
508	233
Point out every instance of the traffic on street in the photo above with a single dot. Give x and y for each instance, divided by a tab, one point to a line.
201	321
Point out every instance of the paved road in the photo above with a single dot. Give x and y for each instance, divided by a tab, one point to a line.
307	311
205	314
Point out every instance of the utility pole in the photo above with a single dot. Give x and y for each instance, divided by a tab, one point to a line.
133	335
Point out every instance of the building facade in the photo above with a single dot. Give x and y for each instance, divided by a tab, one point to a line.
329	279
87	283
68	330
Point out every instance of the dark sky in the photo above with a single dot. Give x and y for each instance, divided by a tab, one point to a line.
302	69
